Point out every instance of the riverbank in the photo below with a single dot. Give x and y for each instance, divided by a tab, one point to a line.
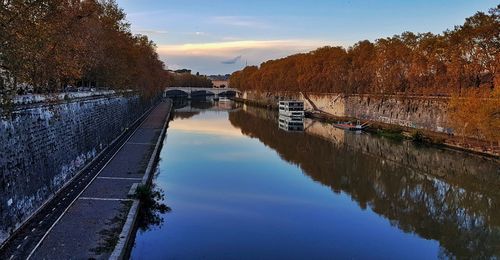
127	234
98	222
393	131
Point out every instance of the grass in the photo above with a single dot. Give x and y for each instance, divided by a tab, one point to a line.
397	136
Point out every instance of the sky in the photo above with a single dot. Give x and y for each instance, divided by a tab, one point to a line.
222	36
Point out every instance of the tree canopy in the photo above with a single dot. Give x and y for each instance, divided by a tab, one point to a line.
184	78
46	45
466	57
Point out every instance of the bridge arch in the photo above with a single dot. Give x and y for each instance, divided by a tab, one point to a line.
201	92
228	93
194	91
176	93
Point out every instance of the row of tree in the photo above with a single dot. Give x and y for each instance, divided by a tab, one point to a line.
466	57
186	79
46	45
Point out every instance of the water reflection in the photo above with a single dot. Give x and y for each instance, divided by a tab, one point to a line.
436	194
153	207
211	125
185	108
292	124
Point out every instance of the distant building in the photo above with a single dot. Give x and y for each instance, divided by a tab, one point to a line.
220	83
181	71
219	77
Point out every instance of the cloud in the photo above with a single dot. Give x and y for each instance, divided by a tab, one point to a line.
146	14
230	48
206	57
197	33
240	21
231	38
232	61
150	31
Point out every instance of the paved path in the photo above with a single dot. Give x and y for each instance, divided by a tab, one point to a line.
88	228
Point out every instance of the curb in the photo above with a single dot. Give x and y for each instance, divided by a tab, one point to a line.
126	233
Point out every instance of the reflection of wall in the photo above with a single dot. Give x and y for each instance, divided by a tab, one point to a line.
324	130
43	147
441	195
415	112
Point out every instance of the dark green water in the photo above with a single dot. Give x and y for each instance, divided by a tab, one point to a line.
240	187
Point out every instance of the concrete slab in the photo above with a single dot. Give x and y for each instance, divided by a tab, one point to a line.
129	162
109	188
145	135
79	234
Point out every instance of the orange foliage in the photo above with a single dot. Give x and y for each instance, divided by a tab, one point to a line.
50	44
466	57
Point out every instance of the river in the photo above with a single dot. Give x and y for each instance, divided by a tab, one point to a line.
238	187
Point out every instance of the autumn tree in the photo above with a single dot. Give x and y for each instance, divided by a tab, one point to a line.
49	44
187	79
457	60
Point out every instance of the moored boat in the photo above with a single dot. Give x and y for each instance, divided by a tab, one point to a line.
291	108
351	126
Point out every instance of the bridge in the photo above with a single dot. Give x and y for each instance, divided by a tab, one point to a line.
190	92
213	108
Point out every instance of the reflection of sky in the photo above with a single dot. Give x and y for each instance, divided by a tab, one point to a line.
215	123
236	198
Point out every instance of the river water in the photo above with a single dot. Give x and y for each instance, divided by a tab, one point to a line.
240	187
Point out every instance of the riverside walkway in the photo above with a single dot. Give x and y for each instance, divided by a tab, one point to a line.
89	227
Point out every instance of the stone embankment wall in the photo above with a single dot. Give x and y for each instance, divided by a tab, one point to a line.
429	113
43	146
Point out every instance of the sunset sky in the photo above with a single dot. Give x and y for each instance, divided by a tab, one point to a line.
218	37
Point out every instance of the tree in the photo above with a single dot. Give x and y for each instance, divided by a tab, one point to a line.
50	44
466	57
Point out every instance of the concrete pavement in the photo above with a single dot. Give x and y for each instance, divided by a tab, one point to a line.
91	226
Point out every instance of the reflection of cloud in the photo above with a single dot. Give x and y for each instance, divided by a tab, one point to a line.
232	61
256	198
212	127
235	155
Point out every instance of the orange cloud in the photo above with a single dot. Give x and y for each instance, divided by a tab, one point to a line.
230	48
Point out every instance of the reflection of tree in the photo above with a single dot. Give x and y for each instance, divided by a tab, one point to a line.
180	102
462	215
184	115
201	104
152	207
